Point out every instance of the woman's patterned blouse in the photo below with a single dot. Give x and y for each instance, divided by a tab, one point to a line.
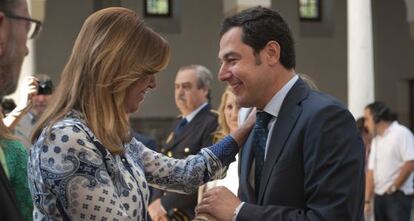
73	177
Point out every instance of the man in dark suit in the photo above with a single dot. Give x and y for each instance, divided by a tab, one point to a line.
304	159
190	132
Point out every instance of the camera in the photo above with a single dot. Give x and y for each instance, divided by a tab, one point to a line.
45	87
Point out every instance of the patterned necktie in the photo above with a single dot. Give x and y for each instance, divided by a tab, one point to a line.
180	126
260	133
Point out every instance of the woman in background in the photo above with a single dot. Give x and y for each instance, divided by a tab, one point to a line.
228	123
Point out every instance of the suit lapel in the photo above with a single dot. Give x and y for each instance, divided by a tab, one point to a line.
288	115
246	191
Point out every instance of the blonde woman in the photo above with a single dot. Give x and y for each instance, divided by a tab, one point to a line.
228	123
84	164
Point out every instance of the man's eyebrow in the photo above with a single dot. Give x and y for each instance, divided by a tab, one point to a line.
182	83
229	54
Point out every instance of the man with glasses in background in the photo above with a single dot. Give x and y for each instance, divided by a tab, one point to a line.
16	27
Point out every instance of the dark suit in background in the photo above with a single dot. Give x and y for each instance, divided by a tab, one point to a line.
195	135
147	141
314	164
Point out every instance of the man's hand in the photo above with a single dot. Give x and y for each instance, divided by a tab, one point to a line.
218	202
156	211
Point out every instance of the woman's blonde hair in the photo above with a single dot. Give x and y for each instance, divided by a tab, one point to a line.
113	50
223	128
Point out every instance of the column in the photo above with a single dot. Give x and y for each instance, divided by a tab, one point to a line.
410	16
360	56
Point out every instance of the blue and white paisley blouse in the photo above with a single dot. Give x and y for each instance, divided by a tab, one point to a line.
70	179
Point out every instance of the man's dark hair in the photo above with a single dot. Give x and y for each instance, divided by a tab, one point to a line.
261	25
381	112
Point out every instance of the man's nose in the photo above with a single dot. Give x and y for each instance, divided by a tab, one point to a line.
179	90
223	73
41	98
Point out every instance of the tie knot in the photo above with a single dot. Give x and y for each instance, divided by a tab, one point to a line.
180	126
183	122
262	119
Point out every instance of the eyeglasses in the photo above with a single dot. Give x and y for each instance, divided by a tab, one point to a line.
35	25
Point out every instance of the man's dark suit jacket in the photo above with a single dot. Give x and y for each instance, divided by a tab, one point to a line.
314	168
194	136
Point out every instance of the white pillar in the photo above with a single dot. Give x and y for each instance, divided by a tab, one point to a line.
409	4
360	56
233	6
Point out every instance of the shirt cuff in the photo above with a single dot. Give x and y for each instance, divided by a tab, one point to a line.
236	211
225	150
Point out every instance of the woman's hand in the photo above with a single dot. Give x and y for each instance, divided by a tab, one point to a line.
243	131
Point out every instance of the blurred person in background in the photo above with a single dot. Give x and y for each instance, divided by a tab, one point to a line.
228	122
39	100
366	136
389	180
191	131
16	26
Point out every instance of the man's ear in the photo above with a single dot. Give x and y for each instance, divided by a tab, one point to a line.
3	32
205	91
272	52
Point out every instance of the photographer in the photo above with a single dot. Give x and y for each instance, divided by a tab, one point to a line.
38	100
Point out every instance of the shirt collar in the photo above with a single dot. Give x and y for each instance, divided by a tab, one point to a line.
273	107
191	116
390	128
33	118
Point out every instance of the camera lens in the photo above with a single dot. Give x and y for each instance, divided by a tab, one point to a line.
45	87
